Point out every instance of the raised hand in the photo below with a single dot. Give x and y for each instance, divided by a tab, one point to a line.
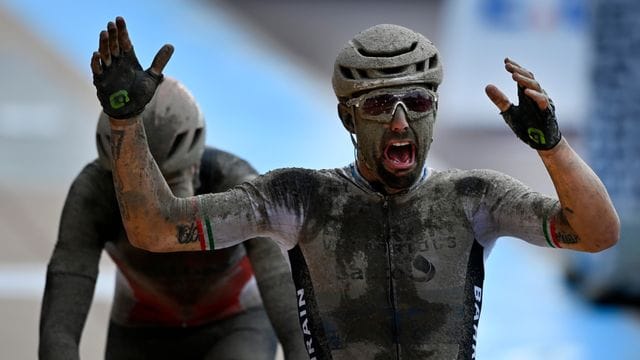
533	120
123	87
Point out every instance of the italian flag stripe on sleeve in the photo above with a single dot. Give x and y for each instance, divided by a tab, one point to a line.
205	231
549	228
200	234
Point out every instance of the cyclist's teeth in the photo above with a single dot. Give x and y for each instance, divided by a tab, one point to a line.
399	152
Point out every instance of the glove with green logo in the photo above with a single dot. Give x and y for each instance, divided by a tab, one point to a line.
123	87
537	128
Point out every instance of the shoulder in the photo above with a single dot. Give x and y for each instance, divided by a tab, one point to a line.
92	192
468	175
293	179
302	175
470	182
95	177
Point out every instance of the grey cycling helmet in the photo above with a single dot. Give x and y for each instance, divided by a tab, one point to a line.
174	126
385	55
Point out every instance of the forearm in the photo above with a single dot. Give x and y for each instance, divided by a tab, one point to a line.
152	216
65	305
587	220
278	294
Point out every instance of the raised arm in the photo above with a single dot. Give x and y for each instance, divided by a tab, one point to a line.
154	219
586	219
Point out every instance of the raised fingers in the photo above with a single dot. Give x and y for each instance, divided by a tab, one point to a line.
521	75
541	99
526	82
513	66
497	97
103	48
96	67
112	42
114	47
123	35
161	59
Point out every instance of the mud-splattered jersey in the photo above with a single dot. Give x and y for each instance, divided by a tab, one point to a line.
383	276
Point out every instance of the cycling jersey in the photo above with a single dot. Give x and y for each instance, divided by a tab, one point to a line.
382	276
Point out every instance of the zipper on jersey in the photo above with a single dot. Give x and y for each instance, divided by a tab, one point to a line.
392	290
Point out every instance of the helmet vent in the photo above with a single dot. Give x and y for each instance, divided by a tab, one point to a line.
392	53
420	66
346	73
196	138
433	61
393	70
176	144
363	74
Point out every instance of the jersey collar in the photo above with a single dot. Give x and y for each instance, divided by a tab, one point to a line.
362	182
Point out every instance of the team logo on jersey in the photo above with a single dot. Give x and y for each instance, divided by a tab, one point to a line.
425	266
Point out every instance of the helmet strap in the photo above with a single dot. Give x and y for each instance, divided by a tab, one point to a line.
355	151
355	146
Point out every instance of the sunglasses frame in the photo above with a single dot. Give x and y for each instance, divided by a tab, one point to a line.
387	117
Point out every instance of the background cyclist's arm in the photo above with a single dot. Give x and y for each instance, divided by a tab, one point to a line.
586	219
278	294
88	217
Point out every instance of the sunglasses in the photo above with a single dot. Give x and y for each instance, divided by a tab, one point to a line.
380	105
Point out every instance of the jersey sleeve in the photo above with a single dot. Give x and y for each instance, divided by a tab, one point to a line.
271	205
87	217
507	207
220	171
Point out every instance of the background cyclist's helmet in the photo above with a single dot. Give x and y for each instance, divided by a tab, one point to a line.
385	55
174	126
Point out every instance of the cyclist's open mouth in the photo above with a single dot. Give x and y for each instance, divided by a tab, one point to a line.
399	155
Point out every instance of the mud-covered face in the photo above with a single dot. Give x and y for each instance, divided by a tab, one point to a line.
394	136
184	182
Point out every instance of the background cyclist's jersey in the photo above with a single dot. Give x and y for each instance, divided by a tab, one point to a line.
155	289
383	276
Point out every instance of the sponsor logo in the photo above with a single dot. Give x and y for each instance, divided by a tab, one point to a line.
119	99
304	322
477	294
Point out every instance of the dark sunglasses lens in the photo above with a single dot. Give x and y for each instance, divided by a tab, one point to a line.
379	104
418	101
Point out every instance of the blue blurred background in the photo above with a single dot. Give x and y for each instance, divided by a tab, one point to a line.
261	72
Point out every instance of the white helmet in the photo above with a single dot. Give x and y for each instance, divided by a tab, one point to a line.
385	55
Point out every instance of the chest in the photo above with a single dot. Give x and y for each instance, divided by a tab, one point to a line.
393	270
419	239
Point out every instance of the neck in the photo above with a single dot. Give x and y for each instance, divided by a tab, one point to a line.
375	183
